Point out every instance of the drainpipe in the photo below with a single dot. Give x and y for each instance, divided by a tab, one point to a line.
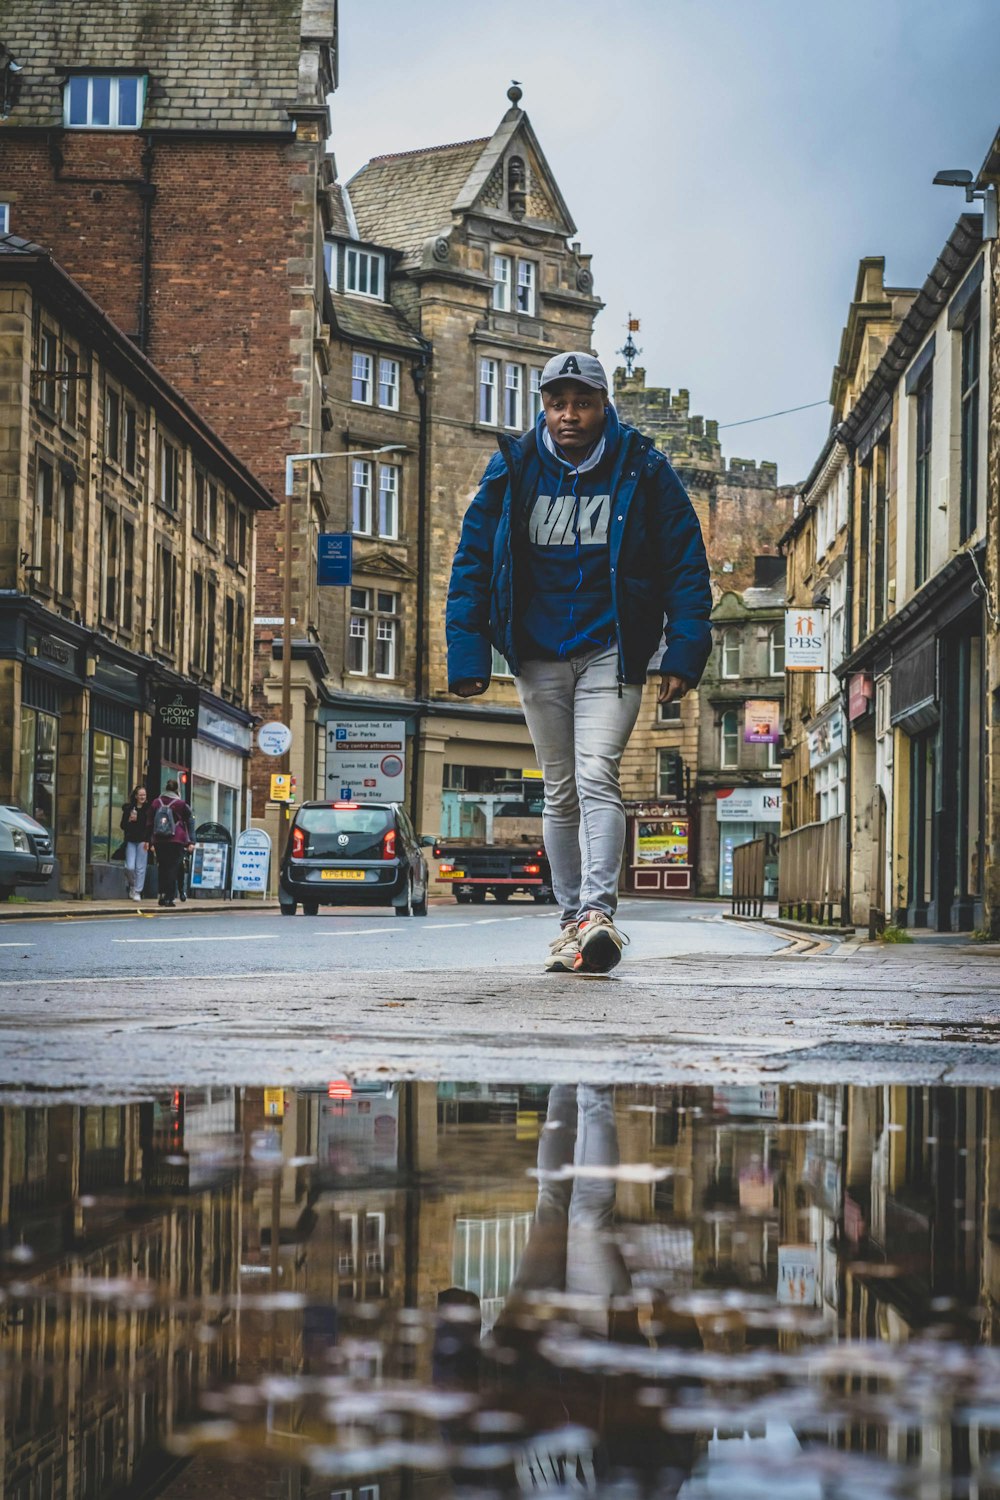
419	373
845	690
147	193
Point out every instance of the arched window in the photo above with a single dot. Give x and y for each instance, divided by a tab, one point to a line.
778	651
731	653
729	740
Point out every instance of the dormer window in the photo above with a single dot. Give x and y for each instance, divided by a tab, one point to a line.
364	273
104	101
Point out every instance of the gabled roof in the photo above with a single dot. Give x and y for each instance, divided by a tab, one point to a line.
372	322
405	199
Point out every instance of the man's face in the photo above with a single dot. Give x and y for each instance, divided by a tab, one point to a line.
574	414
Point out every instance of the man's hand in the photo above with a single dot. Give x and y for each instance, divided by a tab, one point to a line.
670	689
470	689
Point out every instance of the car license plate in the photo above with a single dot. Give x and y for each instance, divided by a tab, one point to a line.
342	874
455	875
47	869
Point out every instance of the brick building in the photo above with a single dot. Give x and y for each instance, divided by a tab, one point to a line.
126	579
174	160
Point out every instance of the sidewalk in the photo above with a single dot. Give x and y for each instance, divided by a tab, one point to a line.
24	911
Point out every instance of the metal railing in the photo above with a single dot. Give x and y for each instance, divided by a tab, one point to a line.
811	873
749	875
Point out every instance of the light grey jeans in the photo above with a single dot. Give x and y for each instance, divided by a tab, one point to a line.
579	727
136	856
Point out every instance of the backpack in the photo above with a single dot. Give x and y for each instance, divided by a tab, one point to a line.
164	822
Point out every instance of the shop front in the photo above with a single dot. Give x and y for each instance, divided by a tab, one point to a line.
743	814
659	848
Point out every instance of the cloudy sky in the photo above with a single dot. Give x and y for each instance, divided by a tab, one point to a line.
727	162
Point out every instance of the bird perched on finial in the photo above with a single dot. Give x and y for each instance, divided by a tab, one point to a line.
514	93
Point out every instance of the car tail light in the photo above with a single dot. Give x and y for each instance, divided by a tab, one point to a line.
540	853
298	843
532	869
339	1088
389	844
351	805
436	851
445	869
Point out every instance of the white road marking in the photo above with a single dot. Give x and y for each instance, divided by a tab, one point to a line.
17	945
246	937
485	921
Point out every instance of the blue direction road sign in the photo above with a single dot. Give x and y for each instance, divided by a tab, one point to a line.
333	558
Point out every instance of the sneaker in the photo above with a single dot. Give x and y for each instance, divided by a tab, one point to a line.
136	895
599	944
563	951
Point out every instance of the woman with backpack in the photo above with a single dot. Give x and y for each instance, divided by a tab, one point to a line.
171	825
135	836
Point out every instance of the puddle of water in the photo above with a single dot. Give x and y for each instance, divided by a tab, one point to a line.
417	1290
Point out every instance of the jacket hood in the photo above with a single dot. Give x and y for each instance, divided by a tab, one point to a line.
556	466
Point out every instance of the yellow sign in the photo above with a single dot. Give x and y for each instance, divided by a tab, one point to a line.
281	788
274	1103
530	775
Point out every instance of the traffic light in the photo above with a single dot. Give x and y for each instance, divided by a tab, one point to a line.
672	777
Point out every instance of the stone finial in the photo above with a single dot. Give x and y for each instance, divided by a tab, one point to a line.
515	93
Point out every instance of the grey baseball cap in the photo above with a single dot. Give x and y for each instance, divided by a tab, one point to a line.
586	368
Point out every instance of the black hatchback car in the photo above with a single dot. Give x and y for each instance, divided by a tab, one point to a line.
352	854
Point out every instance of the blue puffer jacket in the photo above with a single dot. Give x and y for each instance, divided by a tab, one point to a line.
659	572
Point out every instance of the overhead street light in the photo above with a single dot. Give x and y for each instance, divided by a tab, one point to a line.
291	459
963	178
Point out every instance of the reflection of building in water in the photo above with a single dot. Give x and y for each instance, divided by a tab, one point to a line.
94	1383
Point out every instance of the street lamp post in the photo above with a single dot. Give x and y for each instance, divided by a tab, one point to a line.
291	459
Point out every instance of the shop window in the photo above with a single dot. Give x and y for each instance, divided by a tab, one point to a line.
37	765
110	784
729	740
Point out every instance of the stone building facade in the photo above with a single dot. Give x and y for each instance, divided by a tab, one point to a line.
126	577
128	151
743	512
485	272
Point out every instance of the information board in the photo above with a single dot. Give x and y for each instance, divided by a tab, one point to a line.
251	860
208	867
366	760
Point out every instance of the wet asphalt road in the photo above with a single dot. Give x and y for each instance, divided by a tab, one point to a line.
479	939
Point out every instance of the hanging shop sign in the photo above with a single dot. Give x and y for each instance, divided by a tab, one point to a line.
274	739
761	721
805	640
175	712
366	760
798	1275
827	739
334	558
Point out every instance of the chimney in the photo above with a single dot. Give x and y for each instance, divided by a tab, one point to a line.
767	571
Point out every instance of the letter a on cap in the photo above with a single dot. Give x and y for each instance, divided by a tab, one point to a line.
571	365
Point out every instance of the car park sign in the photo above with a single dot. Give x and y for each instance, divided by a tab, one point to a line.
366	760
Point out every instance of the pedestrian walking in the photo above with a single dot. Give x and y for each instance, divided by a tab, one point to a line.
135	826
171	825
579	554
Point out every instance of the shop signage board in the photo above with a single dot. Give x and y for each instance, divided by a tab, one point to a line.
366	760
274	738
281	788
175	712
798	1275
762	721
662	841
208	867
827	739
251	860
274	1103
334	558
805	640
749	804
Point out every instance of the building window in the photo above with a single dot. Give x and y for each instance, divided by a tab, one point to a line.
38	763
774	755
669	774
534	395
513	382
388	384
500	667
169	475
361	496
211	611
386	632
731	653
109	789
103	101
165	622
48	358
968	497
228	640
109	566
130	427
777	651
501	283
363	273
361	378
729	740
4	218
125	609
526	287
43	540
66	537
197	622
357	634
112	424
880	522
67	388
199	516
669	713
922	486
239	686
388	500
488	392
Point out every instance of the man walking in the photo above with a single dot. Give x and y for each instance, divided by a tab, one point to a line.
579	552
171	823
